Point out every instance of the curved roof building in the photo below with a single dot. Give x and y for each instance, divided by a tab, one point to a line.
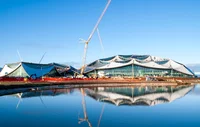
136	66
26	69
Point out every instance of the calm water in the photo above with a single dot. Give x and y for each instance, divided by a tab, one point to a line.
100	107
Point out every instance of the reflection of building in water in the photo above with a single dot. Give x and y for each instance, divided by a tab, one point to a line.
40	92
36	92
50	92
139	95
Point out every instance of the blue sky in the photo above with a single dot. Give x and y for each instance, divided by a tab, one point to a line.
165	28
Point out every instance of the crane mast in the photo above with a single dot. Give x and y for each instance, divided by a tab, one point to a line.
90	36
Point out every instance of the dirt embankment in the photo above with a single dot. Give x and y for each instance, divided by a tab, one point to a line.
156	81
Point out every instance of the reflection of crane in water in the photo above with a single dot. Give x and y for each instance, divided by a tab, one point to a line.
85	111
101	115
20	99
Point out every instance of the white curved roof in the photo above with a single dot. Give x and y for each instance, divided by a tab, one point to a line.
7	69
141	60
29	68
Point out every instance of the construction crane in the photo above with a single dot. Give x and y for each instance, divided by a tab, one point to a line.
90	36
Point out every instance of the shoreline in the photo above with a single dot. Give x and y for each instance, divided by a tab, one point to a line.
97	82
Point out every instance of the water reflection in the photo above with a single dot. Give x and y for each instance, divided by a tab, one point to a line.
148	95
119	96
84	110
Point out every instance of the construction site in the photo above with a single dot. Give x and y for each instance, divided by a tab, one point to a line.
120	69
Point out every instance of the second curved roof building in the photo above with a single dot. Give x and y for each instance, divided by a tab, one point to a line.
137	66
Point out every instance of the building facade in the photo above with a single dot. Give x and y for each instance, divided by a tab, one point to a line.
137	66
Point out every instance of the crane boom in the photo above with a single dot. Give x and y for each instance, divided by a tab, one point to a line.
42	58
90	36
100	40
19	56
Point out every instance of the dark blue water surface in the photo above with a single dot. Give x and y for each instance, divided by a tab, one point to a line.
64	106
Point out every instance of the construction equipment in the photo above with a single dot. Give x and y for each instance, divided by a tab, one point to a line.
19	56
42	58
90	36
100	40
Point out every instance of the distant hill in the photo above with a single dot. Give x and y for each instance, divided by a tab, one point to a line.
195	68
0	69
